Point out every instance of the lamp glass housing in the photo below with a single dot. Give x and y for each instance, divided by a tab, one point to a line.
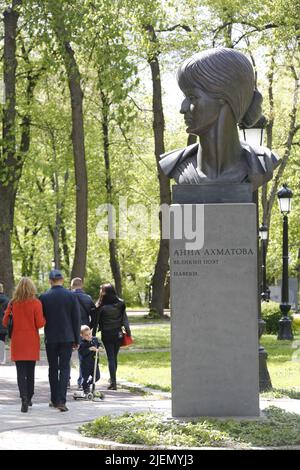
263	232
285	204
253	136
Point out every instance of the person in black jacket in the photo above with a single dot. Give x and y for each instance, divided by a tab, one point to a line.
111	317
62	335
4	300
88	346
87	311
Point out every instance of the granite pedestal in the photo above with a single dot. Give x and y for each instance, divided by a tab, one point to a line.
215	369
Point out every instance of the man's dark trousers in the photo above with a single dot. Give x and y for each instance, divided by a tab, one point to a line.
59	357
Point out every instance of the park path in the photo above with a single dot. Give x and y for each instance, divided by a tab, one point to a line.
38	429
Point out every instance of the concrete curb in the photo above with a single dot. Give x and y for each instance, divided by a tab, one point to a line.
141	388
76	439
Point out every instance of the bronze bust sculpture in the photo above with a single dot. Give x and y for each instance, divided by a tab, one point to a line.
219	89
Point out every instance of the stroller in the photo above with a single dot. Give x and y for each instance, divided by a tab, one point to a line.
92	395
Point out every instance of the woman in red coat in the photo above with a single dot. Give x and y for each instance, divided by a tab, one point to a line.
28	317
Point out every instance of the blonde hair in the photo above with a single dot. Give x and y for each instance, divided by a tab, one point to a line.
84	328
1	288
25	290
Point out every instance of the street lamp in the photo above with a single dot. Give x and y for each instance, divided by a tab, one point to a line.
285	323
254	137
265	291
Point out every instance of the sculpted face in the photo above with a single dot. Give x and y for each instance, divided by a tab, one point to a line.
200	110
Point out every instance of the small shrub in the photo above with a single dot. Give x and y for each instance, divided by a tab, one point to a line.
271	314
279	429
92	285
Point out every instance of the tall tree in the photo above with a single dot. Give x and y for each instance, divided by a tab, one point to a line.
162	262
113	248
12	154
10	166
63	36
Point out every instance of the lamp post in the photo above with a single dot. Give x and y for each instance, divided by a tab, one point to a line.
285	323
254	137
265	291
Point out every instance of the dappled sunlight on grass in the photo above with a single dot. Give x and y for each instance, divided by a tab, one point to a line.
283	361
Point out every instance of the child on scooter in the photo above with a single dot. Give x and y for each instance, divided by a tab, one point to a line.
89	345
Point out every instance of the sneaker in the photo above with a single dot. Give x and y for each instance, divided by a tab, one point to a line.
62	407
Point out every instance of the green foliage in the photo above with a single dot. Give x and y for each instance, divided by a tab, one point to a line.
112	46
92	285
279	429
271	314
282	393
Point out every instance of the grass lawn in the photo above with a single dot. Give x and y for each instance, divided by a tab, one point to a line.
151	337
283	361
279	429
153	368
141	319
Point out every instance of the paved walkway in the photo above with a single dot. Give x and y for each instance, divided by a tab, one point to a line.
38	429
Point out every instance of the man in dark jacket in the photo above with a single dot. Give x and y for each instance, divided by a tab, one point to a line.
86	304
4	300
87	310
62	334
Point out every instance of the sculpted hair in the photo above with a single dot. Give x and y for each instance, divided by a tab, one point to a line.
226	74
25	290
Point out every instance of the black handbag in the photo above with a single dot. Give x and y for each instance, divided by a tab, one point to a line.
10	323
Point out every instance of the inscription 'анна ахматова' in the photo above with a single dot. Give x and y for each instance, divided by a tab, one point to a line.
215	252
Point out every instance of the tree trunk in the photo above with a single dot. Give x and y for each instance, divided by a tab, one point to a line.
113	248
10	170
7	198
57	224
162	262
269	132
79	263
74	82
63	232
